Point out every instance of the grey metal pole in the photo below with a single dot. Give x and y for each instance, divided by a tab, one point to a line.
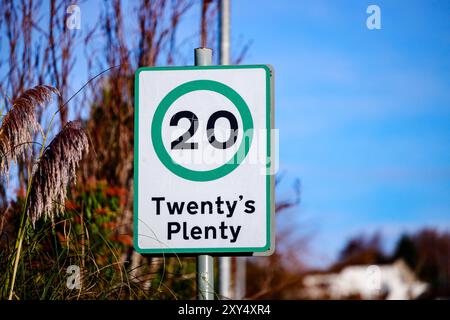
205	263
224	27
205	277
224	51
241	278
203	56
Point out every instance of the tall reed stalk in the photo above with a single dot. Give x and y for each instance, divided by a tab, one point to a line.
55	168
16	133
56	164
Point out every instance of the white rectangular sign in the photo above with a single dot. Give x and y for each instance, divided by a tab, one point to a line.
203	160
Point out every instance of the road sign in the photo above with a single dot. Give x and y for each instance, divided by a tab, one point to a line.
203	160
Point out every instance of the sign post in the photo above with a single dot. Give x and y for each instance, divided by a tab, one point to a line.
204	162
224	54
205	263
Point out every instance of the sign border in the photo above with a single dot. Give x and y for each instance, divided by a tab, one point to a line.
269	247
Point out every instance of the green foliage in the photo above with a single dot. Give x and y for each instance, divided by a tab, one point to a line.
87	235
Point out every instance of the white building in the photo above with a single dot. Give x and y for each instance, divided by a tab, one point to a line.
393	282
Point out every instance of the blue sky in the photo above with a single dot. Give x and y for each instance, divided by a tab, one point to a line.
364	115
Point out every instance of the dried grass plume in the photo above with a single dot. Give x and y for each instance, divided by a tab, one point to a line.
55	169
20	123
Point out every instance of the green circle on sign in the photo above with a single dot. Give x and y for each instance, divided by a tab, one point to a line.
167	102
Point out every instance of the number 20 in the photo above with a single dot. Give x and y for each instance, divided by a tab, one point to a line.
182	141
